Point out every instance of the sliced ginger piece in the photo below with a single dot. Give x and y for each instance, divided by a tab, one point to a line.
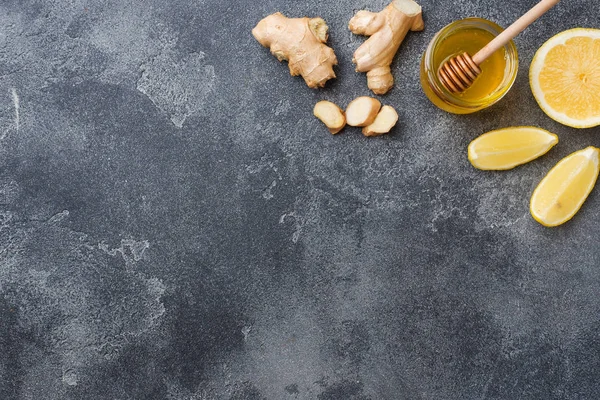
362	111
301	42
331	115
387	29
384	122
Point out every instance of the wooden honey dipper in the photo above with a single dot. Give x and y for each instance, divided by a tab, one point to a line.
459	73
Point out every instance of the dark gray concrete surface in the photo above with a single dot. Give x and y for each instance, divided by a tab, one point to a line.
175	224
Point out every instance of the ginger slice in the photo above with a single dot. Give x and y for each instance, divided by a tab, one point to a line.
387	29
362	111
331	115
384	122
300	41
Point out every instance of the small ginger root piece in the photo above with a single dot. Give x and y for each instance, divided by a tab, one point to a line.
387	29
331	115
384	122
300	41
362	111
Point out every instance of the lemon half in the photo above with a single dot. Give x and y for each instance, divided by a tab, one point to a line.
565	77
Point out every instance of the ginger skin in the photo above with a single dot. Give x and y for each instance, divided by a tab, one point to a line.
387	29
300	41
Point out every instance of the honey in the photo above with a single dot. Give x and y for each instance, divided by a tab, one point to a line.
498	72
471	40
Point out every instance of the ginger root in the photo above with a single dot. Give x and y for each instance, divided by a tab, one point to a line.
362	111
300	41
331	115
387	29
384	122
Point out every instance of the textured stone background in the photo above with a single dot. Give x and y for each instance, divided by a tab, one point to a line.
174	223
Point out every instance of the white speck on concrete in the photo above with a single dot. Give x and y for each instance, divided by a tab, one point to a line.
267	193
16	119
70	378
246	331
298	222
15	97
157	289
177	86
129	248
59	217
136	248
283	107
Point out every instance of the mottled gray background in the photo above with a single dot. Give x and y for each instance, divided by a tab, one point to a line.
174	223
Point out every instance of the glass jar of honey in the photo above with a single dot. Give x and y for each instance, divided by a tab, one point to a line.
498	72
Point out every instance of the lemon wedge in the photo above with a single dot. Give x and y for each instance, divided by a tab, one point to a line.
565	77
563	191
506	148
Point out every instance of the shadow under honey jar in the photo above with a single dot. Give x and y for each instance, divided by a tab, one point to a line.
498	74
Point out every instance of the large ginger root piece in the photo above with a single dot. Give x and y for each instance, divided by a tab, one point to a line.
384	122
362	111
387	29
331	115
300	41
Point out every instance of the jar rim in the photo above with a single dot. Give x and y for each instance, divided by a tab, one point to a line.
445	95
